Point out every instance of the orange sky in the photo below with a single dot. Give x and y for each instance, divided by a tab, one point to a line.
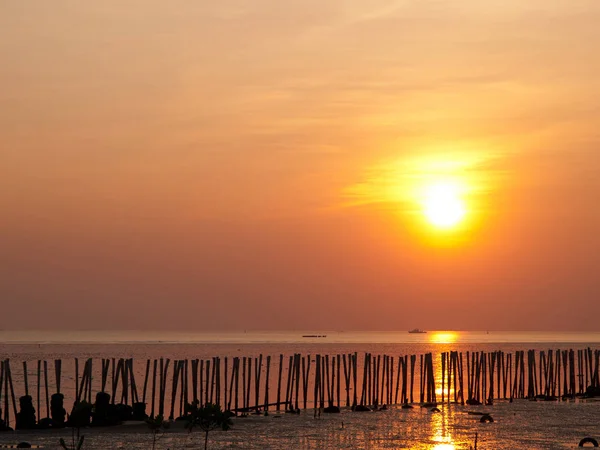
256	164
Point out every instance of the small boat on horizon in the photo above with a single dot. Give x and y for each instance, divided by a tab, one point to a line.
417	331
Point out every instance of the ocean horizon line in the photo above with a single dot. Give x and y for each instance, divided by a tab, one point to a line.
49	337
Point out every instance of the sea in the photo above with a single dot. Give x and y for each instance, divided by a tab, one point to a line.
521	424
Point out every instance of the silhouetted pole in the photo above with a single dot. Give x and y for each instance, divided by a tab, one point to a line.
39	375
279	383
267	385
154	367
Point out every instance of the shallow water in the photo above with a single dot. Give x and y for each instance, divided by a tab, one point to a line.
518	425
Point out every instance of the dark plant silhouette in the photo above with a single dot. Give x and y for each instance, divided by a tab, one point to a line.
156	426
208	418
73	446
474	447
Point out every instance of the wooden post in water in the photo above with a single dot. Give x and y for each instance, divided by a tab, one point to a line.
492	365
225	384
461	378
218	381
382	377
288	384
327	380
483	377
218	389
146	377
322	382
104	374
207	392
456	374
383	393
579	371
186	396
469	378
304	380
182	380
1	388
316	386
233	365
79	389
364	386
505	374
474	370
8	377
390	380
114	381
443	376
400	364
376	372
297	365
6	403
421	390
87	368
509	376
522	375
267	385
124	372
163	381
500	360
405	379
39	374
338	360
195	366
562	360
373	380
413	360
257	373
355	377
515	385
279	383
212	379
237	380
249	379
76	380
46	389
90	378
346	379
154	364
174	382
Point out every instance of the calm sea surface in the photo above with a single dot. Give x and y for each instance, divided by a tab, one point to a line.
519	425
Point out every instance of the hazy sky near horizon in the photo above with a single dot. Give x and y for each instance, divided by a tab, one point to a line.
256	164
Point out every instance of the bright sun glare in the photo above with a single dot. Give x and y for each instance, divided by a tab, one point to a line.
443	205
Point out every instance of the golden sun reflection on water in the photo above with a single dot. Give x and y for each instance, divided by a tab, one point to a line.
443	337
441	432
444	447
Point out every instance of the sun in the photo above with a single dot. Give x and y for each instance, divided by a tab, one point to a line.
443	206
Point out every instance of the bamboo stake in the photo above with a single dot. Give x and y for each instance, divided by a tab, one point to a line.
39	374
146	381
154	367
12	390
46	387
279	383
267	385
225	385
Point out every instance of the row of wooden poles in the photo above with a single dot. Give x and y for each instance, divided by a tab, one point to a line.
242	384
489	375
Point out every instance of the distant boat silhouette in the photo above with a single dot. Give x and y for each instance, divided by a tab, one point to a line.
417	331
